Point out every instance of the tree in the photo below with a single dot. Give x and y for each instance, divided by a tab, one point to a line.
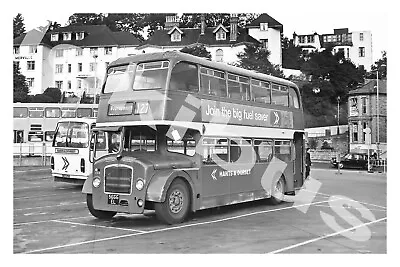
381	65
21	89
255	58
199	51
153	21
54	25
54	93
291	55
18	25
41	98
190	20
85	19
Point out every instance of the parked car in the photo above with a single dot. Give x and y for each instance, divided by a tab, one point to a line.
352	160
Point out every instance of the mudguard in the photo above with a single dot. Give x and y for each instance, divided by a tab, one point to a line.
160	182
87	186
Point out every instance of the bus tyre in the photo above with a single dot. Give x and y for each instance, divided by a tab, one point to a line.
278	192
101	214
176	205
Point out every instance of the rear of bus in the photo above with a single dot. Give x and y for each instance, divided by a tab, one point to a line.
70	160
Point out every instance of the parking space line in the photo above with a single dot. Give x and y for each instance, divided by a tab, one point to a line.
325	236
328	206
45	221
17	198
326	195
59	205
174	227
99	226
33	170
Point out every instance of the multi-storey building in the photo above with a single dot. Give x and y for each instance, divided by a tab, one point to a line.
363	113
356	46
72	58
224	43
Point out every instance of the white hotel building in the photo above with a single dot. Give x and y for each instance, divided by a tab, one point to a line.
72	58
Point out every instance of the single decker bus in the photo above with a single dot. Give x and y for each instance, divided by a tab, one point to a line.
187	134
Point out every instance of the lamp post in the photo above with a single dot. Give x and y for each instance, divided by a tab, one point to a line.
338	113
95	77
377	110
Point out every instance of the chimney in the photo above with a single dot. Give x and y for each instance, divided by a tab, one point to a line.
170	22
203	24
234	31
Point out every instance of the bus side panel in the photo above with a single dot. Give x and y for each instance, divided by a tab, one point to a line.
160	182
87	186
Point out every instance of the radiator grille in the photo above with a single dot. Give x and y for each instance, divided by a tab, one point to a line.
118	179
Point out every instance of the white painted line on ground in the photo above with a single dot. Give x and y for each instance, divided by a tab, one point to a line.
34	170
59	205
17	198
45	221
324	237
170	228
328	206
99	226
347	199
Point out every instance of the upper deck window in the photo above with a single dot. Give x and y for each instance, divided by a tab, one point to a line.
238	87
293	98
84	112
213	82
280	95
52	112
261	91
184	77
36	113
119	79
151	75
20	112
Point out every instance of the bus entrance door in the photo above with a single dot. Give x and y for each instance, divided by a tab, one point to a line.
298	167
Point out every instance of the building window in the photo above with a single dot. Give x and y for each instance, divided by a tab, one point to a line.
79	52
263	26
107	50
59	84
59	68
219	55
33	49
79	84
31	65
361	51
93	51
69	68
310	39
264	43
67	36
361	36
16	50
355	132
364	105
54	37
176	36
92	66
30	82
79	35
59	52
221	35
302	39
80	67
69	85
365	126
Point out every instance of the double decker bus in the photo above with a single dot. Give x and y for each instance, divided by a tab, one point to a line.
35	123
191	134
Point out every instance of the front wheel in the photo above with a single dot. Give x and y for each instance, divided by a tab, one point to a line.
278	192
176	205
101	214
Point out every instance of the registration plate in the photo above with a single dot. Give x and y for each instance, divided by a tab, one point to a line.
141	107
113	199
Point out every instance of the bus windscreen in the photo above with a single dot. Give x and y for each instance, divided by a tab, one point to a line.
72	134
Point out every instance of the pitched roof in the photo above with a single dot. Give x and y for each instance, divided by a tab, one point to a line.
370	88
193	36
33	37
265	18
95	35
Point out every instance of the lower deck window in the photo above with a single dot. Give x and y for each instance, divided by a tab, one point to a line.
215	150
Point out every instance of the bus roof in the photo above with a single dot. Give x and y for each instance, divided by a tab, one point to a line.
179	56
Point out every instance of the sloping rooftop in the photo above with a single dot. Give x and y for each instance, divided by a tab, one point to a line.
370	88
265	18
192	36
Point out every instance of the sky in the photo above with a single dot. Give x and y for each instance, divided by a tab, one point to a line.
302	17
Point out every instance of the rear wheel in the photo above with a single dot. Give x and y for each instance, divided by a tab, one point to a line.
278	191
101	214
176	205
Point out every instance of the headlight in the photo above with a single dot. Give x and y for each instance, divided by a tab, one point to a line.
96	182
139	184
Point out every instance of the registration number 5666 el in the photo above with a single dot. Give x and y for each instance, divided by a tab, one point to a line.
113	199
